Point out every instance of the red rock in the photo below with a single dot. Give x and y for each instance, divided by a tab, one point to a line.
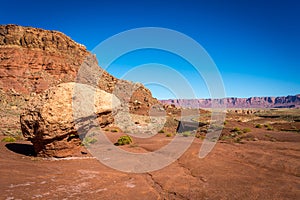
33	60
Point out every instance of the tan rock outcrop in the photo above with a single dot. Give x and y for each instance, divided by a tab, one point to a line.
49	123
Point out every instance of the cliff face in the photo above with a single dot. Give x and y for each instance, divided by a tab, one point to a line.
32	60
252	102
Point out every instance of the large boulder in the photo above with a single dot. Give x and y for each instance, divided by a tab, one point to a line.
51	124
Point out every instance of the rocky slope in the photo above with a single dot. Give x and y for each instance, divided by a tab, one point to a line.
252	102
32	60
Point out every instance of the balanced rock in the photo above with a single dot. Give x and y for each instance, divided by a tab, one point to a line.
53	119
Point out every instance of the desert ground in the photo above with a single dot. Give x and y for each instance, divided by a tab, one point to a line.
256	157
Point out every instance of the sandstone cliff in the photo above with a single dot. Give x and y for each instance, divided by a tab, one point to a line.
33	60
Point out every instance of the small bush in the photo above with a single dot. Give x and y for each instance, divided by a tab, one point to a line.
235	129
216	127
237	140
258	126
169	135
213	139
201	137
161	131
106	129
126	139
225	137
246	130
114	130
8	139
269	127
233	135
225	122
87	141
72	136
186	134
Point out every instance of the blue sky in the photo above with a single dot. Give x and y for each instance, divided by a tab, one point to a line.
255	44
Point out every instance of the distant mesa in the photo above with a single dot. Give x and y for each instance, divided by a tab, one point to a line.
291	101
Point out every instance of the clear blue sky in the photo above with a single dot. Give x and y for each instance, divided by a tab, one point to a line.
255	44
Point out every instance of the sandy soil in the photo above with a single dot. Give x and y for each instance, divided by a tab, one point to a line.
252	170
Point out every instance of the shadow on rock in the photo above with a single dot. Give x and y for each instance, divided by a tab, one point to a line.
24	149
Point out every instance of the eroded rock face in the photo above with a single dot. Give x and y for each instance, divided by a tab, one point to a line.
49	121
33	60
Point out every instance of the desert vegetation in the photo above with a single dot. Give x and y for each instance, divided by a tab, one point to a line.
123	140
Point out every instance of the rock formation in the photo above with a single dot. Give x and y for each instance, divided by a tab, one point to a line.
33	60
49	122
252	102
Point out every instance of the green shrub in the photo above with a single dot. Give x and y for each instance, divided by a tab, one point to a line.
72	136
237	140
236	133
235	129
269	127
201	137
126	139
161	131
8	139
106	129
186	134
233	134
87	141
246	130
216	127
169	135
114	130
225	137
258	126
213	139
